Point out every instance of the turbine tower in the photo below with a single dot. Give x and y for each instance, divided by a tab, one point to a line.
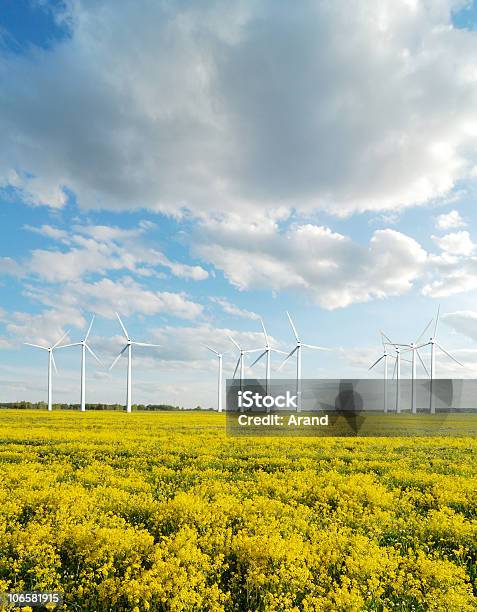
84	347
128	348
51	362
384	356
266	353
414	348
241	360
397	366
219	384
433	344
297	349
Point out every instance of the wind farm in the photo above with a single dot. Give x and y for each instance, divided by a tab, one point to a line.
398	354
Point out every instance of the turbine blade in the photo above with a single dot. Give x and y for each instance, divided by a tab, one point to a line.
116	360
293	327
122	325
437	322
211	349
54	362
236	367
422	362
274	350
384	336
376	362
145	344
319	348
287	358
264	331
258	359
449	355
395	368
232	340
423	345
94	355
89	329
67	345
36	346
62	338
424	331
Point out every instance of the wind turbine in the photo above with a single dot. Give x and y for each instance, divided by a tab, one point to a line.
128	348
84	347
51	362
297	349
219	384
397	366
241	360
384	356
266	353
433	344
414	348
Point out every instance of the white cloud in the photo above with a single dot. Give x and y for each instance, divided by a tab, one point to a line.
451	220
126	296
184	106
10	266
327	265
459	278
97	249
463	321
455	243
44	328
187	344
231	309
49	231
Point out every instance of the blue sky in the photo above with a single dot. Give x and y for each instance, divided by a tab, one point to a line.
194	168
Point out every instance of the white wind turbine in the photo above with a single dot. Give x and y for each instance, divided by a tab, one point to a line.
267	353
219	383
397	365
241	360
400	348
433	344
384	356
414	349
51	362
128	348
84	347
297	349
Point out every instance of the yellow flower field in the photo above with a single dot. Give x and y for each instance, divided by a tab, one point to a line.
163	512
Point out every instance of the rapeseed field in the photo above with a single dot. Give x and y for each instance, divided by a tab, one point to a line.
164	512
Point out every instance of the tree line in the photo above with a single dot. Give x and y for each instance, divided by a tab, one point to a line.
139	407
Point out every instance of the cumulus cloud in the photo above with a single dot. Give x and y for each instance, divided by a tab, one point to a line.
187	344
181	106
97	249
125	295
10	266
451	220
456	243
233	310
313	259
463	321
44	328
